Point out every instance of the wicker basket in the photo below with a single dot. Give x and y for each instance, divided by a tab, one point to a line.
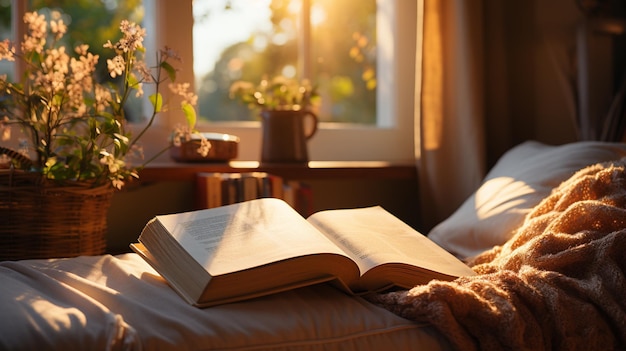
40	220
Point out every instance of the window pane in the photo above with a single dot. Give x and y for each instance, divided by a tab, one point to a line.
344	58
236	40
249	39
6	31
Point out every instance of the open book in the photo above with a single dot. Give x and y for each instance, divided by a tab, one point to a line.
263	246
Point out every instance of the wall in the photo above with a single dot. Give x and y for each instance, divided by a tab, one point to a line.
530	76
540	81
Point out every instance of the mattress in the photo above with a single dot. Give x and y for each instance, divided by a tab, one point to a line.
119	302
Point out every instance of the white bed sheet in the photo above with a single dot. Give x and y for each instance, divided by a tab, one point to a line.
120	302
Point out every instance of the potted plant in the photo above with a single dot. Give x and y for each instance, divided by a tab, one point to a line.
77	130
284	106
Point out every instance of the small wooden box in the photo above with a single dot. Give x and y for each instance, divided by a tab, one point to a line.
224	147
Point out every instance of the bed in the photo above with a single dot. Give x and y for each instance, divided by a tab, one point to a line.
546	231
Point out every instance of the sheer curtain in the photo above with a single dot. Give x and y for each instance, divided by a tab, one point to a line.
449	130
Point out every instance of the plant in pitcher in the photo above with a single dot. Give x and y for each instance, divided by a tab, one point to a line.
75	125
278	93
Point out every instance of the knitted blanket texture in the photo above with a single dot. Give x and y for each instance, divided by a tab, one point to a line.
558	284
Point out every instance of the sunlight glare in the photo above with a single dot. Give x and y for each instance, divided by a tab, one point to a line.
318	15
486	198
289	71
280	39
294	7
259	43
215	28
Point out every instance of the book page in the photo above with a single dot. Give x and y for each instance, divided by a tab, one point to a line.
372	236
244	235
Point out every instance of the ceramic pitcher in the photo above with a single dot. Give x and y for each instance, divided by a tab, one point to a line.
285	135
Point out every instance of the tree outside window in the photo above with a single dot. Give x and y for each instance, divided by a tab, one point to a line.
341	48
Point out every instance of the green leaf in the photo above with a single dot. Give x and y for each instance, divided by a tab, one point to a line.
190	114
157	102
171	71
106	114
132	81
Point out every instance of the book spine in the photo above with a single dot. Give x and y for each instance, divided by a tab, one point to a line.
230	188
208	190
214	189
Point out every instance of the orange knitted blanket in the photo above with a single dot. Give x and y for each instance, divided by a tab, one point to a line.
558	284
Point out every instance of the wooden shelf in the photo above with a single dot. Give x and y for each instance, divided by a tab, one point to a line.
172	171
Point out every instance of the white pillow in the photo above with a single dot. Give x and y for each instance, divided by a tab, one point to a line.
521	178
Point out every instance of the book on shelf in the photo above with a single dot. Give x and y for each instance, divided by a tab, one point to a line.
264	246
208	190
300	196
214	189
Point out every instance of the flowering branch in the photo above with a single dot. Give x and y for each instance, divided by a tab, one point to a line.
77	126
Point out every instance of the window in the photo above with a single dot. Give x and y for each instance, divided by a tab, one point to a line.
389	138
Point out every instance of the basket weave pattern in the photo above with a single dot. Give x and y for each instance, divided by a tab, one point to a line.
40	220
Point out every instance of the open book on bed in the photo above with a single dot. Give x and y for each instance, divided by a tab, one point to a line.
263	246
